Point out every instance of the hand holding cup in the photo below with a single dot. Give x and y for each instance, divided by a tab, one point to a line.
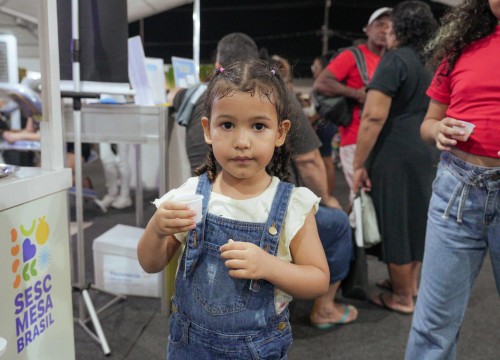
194	202
465	127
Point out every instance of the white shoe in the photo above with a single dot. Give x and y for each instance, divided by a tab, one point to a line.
105	202
121	202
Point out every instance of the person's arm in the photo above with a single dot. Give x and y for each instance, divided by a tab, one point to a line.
437	129
157	244
13	136
307	158
327	84
312	172
373	118
307	277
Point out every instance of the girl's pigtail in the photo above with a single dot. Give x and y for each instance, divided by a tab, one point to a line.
280	166
284	160
209	167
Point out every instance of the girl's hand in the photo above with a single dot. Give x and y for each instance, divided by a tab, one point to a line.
444	134
172	218
361	180
245	260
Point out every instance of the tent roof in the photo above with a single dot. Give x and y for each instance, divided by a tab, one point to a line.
19	17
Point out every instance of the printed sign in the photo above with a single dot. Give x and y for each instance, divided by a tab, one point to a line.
36	290
184	72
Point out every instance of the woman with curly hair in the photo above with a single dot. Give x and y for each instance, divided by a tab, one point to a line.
391	159
464	217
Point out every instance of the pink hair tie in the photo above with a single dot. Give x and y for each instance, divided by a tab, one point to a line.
221	70
273	71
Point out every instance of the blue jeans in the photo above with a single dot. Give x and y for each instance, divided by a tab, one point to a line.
463	223
335	235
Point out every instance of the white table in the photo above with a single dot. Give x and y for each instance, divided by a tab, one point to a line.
132	124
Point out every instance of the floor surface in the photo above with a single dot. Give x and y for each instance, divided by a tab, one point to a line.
136	330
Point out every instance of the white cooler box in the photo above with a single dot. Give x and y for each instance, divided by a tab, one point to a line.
116	267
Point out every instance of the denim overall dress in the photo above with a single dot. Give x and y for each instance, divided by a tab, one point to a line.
215	316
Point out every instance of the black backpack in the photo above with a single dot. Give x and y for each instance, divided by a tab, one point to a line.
338	109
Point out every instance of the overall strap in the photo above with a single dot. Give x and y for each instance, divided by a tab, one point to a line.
204	188
272	231
360	63
195	237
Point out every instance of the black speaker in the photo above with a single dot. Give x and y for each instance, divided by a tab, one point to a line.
103	36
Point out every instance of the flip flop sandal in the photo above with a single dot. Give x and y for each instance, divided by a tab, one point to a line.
342	321
384	305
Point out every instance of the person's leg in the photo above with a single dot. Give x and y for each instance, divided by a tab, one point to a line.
415	276
494	247
335	235
123	200
347	157
416	266
401	298
443	295
454	251
108	160
326	312
330	173
325	132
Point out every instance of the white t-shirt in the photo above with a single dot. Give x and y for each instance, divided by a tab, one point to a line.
257	209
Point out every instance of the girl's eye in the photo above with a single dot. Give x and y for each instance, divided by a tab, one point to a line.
227	125
259	127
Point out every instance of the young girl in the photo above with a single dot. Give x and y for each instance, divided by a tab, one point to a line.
257	244
463	218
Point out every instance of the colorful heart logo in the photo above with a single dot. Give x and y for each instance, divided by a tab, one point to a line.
29	250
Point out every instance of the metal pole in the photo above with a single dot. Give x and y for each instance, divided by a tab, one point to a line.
51	128
77	145
196	36
325	28
77	112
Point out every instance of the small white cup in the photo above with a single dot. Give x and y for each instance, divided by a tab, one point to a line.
194	202
468	130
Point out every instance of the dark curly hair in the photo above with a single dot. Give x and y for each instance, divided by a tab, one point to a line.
460	26
253	77
413	24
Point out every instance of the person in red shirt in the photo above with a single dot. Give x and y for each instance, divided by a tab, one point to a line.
342	78
463	217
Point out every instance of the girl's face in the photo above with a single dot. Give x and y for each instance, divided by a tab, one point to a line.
243	131
495	7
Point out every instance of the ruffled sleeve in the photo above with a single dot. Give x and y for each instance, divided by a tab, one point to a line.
302	202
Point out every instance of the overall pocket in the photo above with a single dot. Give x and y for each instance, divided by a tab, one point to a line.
213	288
